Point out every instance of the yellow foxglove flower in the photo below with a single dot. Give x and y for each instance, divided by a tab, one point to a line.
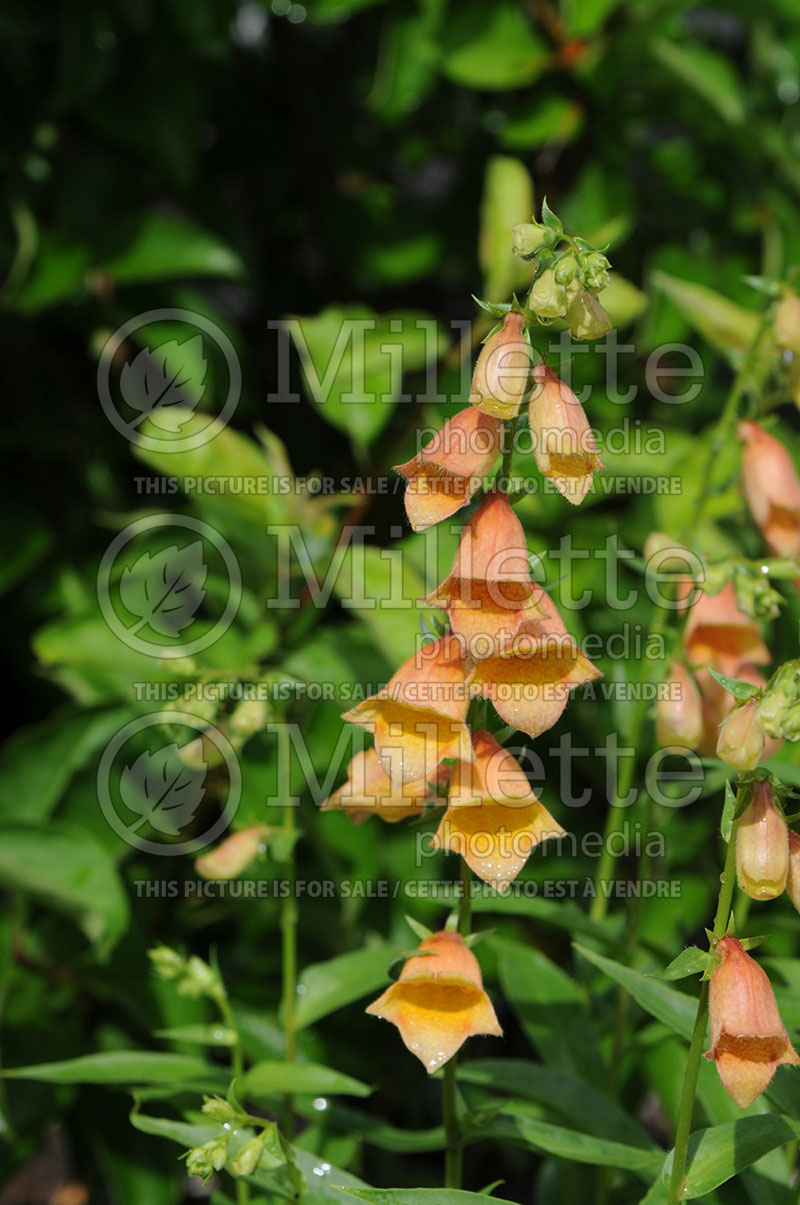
438	1001
368	792
563	443
679	712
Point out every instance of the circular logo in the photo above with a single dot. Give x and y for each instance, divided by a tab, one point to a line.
151	587
165	362
153	788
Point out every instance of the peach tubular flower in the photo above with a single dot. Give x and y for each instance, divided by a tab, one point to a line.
741	741
762	846
450	469
438	1001
529	682
793	874
502	374
772	489
234	854
419	717
368	792
679	714
721	636
489	591
494	820
748	1040
563	443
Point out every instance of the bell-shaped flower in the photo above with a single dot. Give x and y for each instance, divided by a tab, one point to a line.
793	873
748	1040
772	489
369	792
740	743
493	819
679	710
585	316
563	443
719	635
451	468
235	853
762	846
438	1001
502	377
418	718
489	591
529	681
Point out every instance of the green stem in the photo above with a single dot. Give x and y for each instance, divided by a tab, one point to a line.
288	937
237	1071
686	1108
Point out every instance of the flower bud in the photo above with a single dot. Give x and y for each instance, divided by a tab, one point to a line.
779	709
762	846
548	298
793	875
741	739
218	1109
594	271
679	716
234	854
566	270
748	1040
248	1158
248	717
787	322
167	963
528	238
586	318
754	595
503	370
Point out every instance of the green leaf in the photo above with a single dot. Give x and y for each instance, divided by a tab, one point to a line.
326	986
718	1153
710	75
374	1131
507	200
274	1078
513	1122
326	12
420	1196
673	1008
728	812
691	961
492	46
165	247
354	362
382	587
38	762
740	689
69	870
729	327
125	1067
203	1035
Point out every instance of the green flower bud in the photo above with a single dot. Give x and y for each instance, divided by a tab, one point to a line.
594	271
566	269
219	1110
199	980
248	717
248	1158
586	318
167	963
787	322
548	298
528	238
779	709
754	594
204	1160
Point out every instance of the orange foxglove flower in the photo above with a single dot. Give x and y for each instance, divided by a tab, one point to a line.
418	717
489	592
234	854
502	376
679	713
772	489
762	846
529	681
493	819
438	1001
721	636
368	792
741	741
451	468
793	874
563	443
748	1040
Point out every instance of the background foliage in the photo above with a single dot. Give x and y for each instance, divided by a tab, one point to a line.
340	158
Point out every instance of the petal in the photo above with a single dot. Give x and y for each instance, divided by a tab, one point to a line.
435	1019
495	840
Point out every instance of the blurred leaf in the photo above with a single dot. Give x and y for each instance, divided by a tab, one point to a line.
507	199
203	1035
673	1008
407	63
420	1196
708	73
309	1078
324	12
492	46
718	1153
729	327
165	247
551	119
125	1067
68	870
587	16
623	301
326	986
383	589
